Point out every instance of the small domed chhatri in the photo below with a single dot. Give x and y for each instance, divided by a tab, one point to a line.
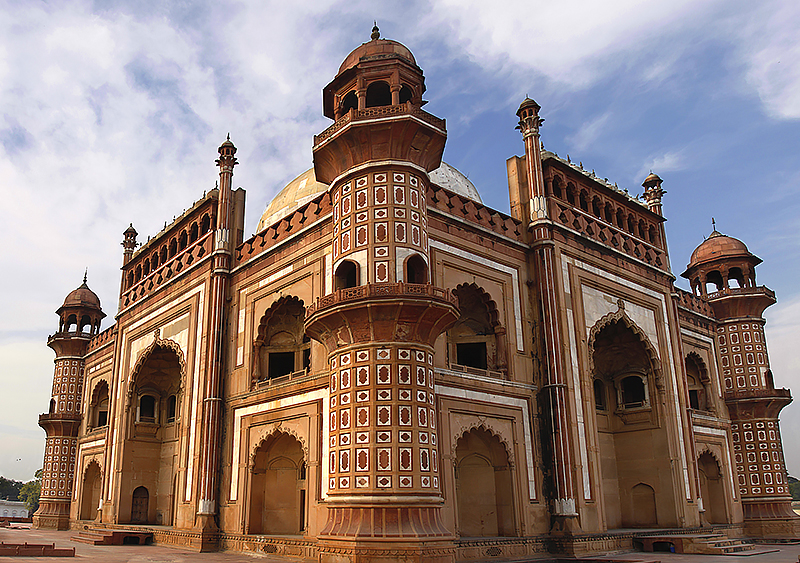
82	297
377	48
718	246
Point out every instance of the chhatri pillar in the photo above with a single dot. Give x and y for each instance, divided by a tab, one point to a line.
380	315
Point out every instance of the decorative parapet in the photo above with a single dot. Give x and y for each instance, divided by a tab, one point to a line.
284	228
474	212
181	261
356	115
380	291
731	291
101	339
758	393
692	302
609	235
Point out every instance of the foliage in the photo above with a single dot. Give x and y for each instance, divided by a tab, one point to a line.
794	488
30	491
9	488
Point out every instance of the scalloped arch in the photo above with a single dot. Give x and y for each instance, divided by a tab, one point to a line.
620	316
707	450
483	425
261	332
92	461
102	382
701	365
486	299
272	432
158	342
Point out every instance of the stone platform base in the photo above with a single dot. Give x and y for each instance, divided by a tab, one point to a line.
773	528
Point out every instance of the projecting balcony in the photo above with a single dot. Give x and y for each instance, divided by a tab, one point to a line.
735	291
382	312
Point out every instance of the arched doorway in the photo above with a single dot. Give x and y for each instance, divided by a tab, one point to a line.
712	489
90	496
152	451
484	486
632	445
278	487
140	506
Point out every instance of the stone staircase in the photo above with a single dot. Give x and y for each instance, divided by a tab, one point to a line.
700	544
102	536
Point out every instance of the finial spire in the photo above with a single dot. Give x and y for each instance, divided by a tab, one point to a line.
713	225
229	136
376	33
85	273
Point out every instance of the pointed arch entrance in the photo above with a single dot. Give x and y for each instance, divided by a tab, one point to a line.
635	473
152	450
90	492
712	489
277	486
484	486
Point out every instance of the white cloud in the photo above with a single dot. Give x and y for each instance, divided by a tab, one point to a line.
589	132
783	331
670	161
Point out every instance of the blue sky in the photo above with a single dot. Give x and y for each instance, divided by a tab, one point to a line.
111	113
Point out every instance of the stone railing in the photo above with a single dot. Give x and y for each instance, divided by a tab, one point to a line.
731	291
743	394
377	113
181	261
380	290
103	338
690	301
609	235
474	212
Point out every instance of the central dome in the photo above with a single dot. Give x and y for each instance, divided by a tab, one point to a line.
718	246
306	187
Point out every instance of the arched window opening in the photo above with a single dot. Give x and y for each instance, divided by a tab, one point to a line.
194	233
172	408
183	240
698	383
633	392
736	278
138	273
52	406
631	225
154	261
653	235
346	275
282	348
205	224
147	408
130	280
72	323
620	218
597	206
642	230
416	270
277	487
98	414
584	200
378	94
609	214
173	247
146	267
163	254
405	94
484	486
714	281
85	324
350	101
599	395
477	340
557	188
571	193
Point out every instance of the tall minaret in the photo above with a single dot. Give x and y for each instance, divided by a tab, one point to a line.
753	402
554	386
212	393
79	321
381	314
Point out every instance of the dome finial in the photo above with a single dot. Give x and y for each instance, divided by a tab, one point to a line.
376	33
85	273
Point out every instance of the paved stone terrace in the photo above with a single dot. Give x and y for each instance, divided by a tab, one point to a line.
156	553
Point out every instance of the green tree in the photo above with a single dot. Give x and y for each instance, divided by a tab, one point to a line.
9	488
29	493
794	488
